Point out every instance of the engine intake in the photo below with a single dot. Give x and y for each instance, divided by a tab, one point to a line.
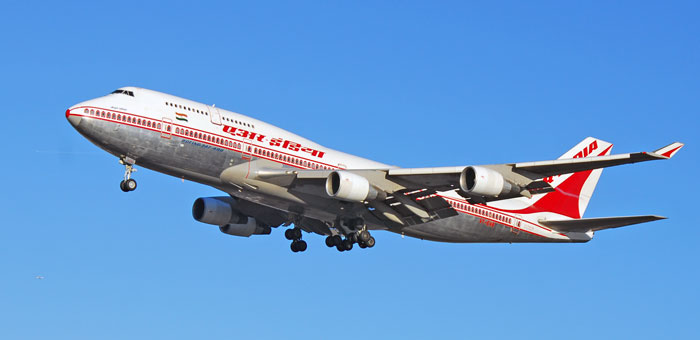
216	211
487	182
351	187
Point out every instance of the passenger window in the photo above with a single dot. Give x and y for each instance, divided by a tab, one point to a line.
87	111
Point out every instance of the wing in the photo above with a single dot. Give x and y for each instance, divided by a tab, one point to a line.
445	176
408	196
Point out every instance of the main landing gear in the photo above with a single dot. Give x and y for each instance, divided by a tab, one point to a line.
363	239
128	183
294	235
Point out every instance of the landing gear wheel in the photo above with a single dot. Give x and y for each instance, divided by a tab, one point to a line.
363	236
337	241
121	186
362	245
289	234
127	184
293	246
301	245
296	233
370	242
330	242
130	184
347	244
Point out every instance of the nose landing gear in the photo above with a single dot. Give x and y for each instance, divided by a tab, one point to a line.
128	183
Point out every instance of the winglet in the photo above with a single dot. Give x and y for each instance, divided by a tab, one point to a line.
669	150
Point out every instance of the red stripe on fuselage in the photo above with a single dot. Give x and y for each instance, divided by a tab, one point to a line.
332	167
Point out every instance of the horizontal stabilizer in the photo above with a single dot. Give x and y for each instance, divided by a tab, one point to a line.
586	224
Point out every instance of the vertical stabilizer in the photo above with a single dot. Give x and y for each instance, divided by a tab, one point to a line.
572	192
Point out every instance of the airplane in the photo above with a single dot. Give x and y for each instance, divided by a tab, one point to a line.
272	178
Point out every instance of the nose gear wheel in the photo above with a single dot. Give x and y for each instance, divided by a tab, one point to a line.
128	183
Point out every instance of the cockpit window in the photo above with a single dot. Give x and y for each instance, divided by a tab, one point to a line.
128	93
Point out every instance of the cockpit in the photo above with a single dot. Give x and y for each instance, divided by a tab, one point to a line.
125	92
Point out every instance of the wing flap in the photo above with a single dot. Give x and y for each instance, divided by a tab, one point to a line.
587	224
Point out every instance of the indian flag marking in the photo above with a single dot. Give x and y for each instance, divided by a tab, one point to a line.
181	116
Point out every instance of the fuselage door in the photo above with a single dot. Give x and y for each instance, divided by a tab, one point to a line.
166	128
214	115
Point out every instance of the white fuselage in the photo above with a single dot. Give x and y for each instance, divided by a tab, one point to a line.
195	141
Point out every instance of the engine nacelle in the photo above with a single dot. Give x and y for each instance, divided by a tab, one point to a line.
348	186
217	211
251	227
486	182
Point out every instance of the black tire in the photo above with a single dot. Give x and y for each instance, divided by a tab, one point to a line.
122	186
329	242
371	242
337	241
364	236
301	245
293	246
362	245
297	233
130	184
288	234
340	247
347	244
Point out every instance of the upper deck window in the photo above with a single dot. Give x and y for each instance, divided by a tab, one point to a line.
128	93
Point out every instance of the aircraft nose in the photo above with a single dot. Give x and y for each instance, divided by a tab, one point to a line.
72	118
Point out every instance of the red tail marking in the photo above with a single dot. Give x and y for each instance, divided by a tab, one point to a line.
564	200
670	152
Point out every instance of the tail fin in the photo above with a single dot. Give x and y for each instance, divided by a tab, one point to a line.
572	192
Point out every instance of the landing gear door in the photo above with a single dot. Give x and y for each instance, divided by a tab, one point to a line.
166	128
214	115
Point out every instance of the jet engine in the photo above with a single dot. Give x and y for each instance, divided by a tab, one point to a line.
219	211
216	211
348	186
486	182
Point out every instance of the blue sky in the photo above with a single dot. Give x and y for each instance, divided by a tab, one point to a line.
405	83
